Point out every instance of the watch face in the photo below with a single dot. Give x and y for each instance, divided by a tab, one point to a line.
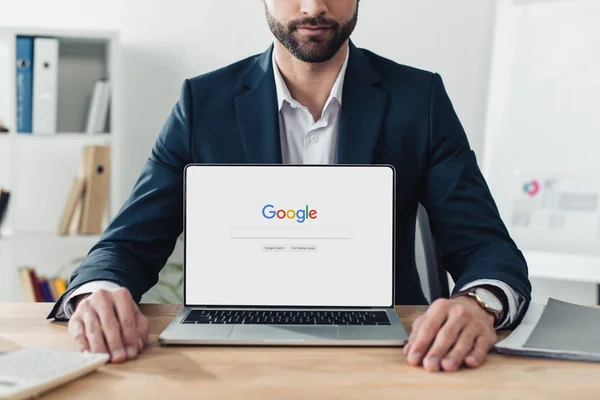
489	299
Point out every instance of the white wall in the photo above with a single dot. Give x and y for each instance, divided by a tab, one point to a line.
167	41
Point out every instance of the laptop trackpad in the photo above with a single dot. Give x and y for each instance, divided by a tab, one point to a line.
274	333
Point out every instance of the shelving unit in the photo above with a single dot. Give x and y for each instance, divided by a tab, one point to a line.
39	169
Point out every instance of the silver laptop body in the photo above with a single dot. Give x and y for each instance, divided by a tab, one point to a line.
288	255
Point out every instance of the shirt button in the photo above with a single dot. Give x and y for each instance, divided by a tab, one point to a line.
314	139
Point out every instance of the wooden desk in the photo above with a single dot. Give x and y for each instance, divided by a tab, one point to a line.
292	373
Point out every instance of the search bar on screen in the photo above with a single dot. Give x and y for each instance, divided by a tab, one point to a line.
291	234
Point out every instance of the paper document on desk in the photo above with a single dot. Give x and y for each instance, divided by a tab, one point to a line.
566	331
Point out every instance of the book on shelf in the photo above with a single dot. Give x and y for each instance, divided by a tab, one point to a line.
38	288
98	109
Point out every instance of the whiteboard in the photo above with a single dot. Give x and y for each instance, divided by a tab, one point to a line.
542	139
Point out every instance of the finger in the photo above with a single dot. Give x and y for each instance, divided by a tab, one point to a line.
105	309
78	331
124	307
415	327
413	334
464	344
142	325
482	346
446	337
428	328
406	349
93	330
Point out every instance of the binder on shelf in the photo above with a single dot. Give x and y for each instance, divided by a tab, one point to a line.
45	85
72	207
96	172
24	84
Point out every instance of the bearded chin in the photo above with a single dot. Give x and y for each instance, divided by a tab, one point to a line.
314	49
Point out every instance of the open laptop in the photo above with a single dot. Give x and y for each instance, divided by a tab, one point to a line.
288	255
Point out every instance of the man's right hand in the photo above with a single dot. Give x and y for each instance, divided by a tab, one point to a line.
109	321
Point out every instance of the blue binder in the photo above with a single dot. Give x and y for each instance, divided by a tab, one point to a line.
24	84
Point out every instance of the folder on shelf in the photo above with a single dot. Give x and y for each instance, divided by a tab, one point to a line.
96	172
24	84
72	207
45	85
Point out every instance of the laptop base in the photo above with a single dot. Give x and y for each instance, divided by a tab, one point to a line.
176	333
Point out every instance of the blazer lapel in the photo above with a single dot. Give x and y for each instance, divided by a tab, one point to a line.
363	109
256	112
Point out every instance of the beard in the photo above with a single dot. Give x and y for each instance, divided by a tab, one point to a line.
314	48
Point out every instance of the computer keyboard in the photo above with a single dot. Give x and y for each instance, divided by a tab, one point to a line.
257	317
30	372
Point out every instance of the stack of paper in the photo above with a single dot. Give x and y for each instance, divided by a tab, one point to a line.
558	330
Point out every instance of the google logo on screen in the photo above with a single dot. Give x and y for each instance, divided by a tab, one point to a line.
270	212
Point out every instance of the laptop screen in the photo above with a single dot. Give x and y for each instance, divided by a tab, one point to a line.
289	236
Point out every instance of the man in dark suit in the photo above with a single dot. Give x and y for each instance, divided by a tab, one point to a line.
313	97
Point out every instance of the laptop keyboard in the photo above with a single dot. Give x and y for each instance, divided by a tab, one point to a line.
257	317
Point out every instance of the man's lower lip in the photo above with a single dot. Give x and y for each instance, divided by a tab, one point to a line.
313	30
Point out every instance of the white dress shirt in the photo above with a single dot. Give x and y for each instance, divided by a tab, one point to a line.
306	141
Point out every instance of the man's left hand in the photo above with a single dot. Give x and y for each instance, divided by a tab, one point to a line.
451	333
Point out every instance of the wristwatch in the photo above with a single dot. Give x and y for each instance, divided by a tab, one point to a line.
486	300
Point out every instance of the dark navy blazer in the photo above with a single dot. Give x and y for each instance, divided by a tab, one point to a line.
391	114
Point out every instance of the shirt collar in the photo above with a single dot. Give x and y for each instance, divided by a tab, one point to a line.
284	95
